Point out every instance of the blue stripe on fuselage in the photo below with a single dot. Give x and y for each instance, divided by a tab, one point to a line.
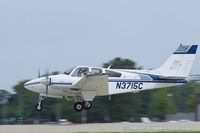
145	81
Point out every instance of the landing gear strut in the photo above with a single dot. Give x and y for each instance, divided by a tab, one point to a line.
79	106
39	106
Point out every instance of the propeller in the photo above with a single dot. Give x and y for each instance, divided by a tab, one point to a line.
39	73
46	81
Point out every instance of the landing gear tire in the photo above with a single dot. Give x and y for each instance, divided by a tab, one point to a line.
39	107
78	106
87	105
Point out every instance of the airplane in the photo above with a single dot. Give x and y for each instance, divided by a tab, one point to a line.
83	83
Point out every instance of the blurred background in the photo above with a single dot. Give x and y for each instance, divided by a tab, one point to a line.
57	35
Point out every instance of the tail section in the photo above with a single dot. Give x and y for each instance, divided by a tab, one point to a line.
179	64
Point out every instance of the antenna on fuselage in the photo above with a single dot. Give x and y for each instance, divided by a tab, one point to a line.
110	66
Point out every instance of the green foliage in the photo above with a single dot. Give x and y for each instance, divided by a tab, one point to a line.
120	63
153	132
185	97
162	104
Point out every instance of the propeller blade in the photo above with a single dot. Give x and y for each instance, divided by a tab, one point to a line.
47	87
48	81
47	72
39	73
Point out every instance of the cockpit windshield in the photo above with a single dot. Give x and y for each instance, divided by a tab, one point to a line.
67	72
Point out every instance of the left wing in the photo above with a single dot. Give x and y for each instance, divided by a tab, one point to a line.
92	85
95	82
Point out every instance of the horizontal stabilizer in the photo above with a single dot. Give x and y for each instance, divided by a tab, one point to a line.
172	77
194	77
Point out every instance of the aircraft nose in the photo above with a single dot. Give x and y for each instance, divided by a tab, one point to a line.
31	84
27	84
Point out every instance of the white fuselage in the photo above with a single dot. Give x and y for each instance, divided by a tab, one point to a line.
119	81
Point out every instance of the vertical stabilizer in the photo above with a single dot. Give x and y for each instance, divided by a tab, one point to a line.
179	64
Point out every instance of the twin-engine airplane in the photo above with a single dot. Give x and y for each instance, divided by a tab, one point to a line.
83	83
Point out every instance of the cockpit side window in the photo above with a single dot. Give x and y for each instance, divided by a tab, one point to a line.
80	72
113	74
96	70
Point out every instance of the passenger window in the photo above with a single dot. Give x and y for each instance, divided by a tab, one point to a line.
113	74
80	72
96	71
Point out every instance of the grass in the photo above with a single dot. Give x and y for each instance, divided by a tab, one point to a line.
149	132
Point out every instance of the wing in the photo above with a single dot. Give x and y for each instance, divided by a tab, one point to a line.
95	82
92	85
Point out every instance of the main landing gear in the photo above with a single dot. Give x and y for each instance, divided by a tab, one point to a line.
79	106
39	106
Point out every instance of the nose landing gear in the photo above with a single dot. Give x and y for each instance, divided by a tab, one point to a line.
39	106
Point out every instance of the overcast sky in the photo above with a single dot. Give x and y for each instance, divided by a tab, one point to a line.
59	34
